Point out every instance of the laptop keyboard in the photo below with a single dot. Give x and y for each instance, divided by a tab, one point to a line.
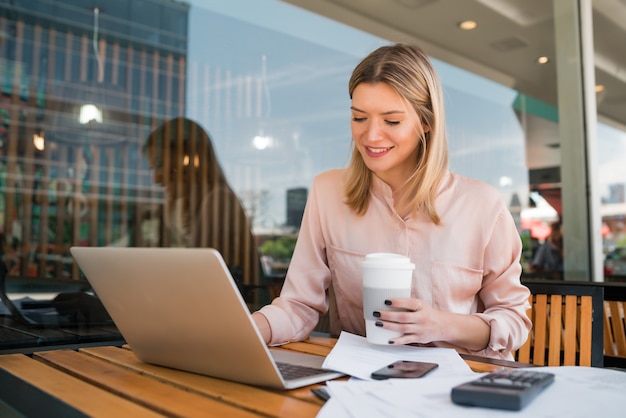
294	371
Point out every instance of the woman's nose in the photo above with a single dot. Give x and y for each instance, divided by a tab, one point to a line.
374	131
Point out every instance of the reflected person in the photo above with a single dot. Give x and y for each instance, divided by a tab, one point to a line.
201	209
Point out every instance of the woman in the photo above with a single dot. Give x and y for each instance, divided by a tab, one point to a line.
202	209
397	195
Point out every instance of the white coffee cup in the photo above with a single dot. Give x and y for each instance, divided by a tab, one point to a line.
385	276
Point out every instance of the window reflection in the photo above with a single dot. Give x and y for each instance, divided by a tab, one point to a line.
84	88
272	96
201	209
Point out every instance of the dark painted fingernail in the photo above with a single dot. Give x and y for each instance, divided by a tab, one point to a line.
387	302
391	342
378	324
376	314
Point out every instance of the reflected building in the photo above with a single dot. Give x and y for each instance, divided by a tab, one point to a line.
296	201
616	193
81	88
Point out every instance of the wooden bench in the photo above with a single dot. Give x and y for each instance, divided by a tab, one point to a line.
567	324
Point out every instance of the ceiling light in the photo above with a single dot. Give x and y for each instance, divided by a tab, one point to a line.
543	60
89	112
186	160
599	88
39	141
262	142
505	181
468	25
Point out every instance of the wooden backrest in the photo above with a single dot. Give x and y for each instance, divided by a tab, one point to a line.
567	326
614	325
614	328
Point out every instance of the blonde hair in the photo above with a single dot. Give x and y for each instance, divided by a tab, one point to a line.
409	71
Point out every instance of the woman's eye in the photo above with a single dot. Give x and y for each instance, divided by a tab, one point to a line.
357	119
392	122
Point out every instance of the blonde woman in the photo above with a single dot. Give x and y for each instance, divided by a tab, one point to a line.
397	195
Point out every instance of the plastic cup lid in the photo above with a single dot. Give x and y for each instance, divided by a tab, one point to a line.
387	260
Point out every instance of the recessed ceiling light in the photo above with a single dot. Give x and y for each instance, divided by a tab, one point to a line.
599	88
543	60
468	25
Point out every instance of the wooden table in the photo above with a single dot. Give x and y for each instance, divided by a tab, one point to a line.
110	381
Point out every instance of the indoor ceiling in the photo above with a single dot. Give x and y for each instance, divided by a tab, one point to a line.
504	47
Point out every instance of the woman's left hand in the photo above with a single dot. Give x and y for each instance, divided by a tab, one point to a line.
422	324
419	322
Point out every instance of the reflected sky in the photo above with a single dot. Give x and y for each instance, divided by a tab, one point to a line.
266	68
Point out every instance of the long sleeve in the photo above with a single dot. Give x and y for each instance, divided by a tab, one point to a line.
505	300
303	297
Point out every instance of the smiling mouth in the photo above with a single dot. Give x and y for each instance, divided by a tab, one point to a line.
378	150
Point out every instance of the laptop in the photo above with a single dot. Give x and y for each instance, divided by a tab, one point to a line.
180	308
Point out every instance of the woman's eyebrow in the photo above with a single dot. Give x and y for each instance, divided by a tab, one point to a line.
389	112
392	112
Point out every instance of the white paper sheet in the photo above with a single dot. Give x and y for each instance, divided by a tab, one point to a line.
354	356
576	392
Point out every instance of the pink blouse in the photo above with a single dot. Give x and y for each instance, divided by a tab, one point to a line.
470	264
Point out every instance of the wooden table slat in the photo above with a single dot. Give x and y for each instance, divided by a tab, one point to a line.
268	402
164	398
305	347
322	340
77	393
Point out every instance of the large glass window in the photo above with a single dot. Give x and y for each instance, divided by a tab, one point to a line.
612	179
170	123
90	158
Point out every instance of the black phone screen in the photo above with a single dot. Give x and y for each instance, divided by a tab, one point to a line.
404	369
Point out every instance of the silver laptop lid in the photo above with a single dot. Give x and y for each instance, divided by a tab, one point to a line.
180	308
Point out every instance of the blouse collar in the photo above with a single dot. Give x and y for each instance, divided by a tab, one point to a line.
381	189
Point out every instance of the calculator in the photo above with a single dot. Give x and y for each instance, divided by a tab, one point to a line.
510	389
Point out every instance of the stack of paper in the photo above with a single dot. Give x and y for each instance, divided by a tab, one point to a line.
576	392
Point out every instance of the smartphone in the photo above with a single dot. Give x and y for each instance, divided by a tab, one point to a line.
321	393
404	369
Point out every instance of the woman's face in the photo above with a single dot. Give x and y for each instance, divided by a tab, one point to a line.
386	132
175	184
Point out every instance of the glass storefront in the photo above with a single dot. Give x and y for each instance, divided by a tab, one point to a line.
170	123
